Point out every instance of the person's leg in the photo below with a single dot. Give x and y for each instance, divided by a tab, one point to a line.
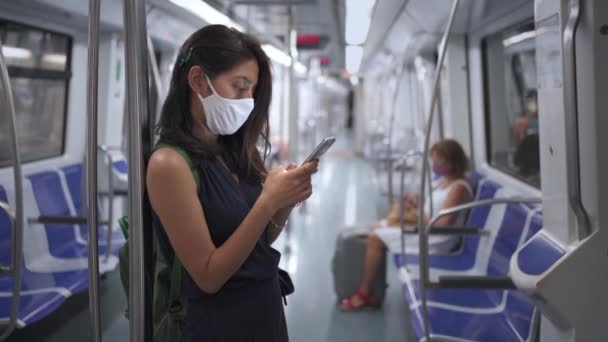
373	260
374	252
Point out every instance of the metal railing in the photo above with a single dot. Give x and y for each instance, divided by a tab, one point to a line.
91	168
427	139
111	193
484	282
137	108
16	218
572	125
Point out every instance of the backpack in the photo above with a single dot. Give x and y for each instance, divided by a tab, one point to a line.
168	307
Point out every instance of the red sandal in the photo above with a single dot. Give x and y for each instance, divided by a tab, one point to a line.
357	302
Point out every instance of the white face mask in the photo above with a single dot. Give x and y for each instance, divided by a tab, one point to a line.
225	116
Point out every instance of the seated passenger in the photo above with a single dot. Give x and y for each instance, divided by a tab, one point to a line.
527	124
450	162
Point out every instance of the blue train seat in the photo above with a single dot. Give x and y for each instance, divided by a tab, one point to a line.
55	255
498	315
41	293
73	175
465	258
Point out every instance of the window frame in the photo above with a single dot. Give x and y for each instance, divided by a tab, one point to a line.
487	104
44	74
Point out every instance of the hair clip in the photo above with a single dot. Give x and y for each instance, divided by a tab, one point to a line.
186	57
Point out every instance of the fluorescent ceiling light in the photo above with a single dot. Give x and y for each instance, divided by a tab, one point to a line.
300	68
358	20
11	52
354	56
519	38
207	13
277	55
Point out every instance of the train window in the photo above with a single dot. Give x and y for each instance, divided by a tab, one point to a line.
39	70
512	109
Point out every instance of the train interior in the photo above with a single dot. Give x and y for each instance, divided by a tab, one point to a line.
519	84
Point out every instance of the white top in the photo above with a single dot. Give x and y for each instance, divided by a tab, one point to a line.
441	194
391	236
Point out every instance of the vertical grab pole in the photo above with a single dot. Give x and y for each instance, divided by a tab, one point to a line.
571	108
389	146
137	108
422	233
17	247
91	169
156	80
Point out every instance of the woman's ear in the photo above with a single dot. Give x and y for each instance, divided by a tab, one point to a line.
197	81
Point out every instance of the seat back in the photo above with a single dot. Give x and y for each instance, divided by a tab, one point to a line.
5	231
515	221
51	200
478	217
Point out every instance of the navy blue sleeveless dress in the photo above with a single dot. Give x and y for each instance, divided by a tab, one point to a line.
249	306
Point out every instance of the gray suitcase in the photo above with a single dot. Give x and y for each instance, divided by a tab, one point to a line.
347	265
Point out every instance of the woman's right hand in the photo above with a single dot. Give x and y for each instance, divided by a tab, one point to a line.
287	187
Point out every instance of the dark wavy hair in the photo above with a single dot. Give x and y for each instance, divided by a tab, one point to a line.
217	49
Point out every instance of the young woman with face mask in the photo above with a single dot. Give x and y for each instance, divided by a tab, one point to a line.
217	111
449	163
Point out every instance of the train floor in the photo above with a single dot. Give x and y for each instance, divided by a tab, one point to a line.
345	195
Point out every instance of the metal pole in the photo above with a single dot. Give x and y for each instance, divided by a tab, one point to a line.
572	134
15	267
156	79
91	169
422	241
389	146
293	105
110	206
137	104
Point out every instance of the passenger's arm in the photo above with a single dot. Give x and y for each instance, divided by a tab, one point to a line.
174	198
280	219
458	195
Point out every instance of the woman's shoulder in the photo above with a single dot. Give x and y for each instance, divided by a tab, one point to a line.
461	186
166	161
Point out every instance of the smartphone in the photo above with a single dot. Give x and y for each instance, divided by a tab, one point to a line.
320	149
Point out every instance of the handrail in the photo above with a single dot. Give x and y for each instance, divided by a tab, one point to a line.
389	146
572	124
137	104
17	250
425	281
423	243
156	80
480	203
110	171
403	161
91	168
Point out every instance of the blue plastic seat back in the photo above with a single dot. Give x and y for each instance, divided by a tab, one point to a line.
74	178
51	200
478	216
5	231
508	237
474	177
519	312
536	224
121	166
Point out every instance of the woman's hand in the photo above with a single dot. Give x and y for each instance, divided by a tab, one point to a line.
411	201
288	186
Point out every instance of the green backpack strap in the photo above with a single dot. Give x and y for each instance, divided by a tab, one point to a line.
176	269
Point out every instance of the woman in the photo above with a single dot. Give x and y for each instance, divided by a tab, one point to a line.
450	163
217	111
